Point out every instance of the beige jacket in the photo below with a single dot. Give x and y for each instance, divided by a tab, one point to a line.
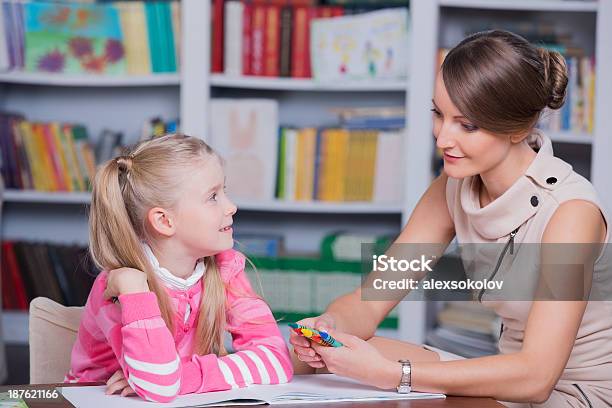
528	205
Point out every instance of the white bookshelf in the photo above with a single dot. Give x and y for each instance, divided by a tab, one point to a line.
15	326
309	207
569	137
294	84
29	78
524	5
44	197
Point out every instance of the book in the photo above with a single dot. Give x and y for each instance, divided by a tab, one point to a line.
247	42
216	54
73	38
388	187
244	133
272	42
5	58
258	31
261	245
303	389
134	30
156	49
300	40
369	45
286	27
233	54
164	17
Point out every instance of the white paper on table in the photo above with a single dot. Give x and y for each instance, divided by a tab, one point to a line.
302	389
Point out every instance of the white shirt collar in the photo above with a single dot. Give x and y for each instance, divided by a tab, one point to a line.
171	281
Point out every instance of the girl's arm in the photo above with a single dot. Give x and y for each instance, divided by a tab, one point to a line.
139	340
532	373
146	351
430	222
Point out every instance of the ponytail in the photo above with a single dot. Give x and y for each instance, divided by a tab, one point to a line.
113	241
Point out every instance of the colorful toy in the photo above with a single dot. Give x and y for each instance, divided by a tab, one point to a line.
319	337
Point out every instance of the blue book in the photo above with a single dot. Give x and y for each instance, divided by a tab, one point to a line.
165	16
9	33
566	110
152	32
267	246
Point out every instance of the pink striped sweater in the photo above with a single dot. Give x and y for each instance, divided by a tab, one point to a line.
160	365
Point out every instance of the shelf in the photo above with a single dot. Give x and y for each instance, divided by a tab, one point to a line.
292	84
534	5
31	196
320	207
15	326
570	137
29	78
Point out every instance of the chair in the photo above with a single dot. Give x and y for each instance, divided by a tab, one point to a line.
53	331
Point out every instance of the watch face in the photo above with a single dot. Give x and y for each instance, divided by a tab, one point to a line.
403	389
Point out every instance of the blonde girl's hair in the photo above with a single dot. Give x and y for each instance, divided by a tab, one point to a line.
124	190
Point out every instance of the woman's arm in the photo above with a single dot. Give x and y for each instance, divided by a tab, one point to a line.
531	374
430	222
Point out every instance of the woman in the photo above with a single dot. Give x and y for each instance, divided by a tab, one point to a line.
501	184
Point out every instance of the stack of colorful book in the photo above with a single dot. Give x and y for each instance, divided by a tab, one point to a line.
45	156
274	38
126	37
339	164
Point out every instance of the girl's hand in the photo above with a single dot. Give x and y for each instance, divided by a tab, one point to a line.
123	281
359	360
117	382
302	347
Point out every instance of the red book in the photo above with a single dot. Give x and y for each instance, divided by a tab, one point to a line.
287	2
246	38
300	42
11	267
258	24
272	42
312	14
8	300
324	12
337	11
216	57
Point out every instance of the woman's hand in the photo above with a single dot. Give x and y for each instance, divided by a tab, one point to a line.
302	347
359	360
123	281
117	382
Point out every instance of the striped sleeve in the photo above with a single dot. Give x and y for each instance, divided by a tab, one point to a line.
146	351
261	355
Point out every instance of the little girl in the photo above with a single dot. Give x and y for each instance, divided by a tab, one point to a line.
161	231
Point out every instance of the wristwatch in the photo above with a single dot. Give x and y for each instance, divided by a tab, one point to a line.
404	386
